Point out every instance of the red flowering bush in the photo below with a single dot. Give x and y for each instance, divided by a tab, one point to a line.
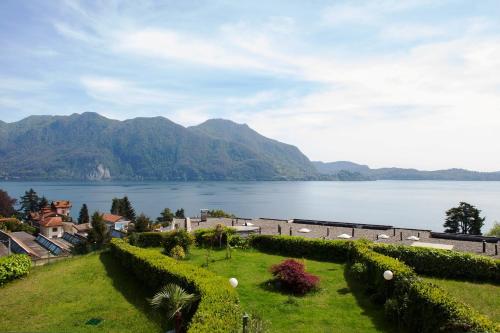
292	277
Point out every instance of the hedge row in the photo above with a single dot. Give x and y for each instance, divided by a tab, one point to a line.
415	304
13	267
295	246
218	309
147	239
443	263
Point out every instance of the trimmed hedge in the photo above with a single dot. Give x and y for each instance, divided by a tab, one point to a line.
416	305
218	310
147	239
296	246
13	267
443	263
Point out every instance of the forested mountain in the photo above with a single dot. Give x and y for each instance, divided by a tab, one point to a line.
91	147
333	168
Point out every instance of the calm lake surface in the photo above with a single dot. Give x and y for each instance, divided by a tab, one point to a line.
417	204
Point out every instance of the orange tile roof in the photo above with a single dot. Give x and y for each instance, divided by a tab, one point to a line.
111	218
62	204
51	221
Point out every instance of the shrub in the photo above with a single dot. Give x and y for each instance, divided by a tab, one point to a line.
208	237
329	250
147	239
292	277
13	224
220	213
217	311
358	271
443	263
13	267
177	237
177	252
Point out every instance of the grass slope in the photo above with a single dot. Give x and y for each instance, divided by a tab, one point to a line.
335	308
483	297
61	297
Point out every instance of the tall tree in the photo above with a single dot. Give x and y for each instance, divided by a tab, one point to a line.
7	204
180	214
142	223
29	203
128	210
83	217
99	233
166	217
116	206
464	219
43	203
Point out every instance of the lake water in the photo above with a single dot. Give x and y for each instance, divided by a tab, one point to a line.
416	204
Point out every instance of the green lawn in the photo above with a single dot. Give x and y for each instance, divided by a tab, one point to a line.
63	296
483	297
335	308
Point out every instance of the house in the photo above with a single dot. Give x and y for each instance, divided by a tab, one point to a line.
81	229
51	226
61	207
115	222
49	220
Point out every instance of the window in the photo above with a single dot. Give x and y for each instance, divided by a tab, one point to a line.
54	229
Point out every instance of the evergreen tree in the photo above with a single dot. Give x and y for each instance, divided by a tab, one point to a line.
7	204
180	214
43	203
464	219
99	234
116	206
127	209
84	215
29	203
142	223
166	217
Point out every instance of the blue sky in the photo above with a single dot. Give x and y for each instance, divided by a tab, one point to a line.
387	83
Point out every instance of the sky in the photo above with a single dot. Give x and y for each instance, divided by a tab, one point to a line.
385	83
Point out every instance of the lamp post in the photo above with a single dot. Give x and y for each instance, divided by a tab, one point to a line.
245	323
388	276
233	282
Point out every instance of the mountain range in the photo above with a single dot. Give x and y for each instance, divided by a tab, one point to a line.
89	146
364	172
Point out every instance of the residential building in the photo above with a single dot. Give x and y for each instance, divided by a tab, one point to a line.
115	222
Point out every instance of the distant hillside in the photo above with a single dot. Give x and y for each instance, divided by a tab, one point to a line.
91	147
333	168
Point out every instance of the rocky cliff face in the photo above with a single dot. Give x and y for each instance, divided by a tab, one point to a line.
100	173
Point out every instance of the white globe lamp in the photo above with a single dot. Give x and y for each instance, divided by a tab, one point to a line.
233	282
388	275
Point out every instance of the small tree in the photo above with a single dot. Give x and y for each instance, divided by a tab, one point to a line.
464	219
166	217
142	223
173	299
292	277
495	230
83	217
7	204
29	204
99	233
179	213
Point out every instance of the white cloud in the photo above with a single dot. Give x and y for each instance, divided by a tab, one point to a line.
125	93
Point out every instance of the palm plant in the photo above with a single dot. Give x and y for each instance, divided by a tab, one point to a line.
173	299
